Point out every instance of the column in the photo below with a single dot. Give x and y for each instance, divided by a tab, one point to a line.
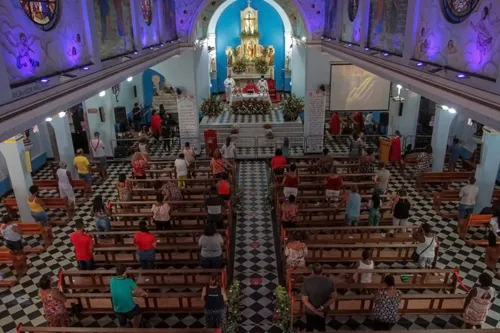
159	10
406	123
440	133
487	169
5	91
338	28
136	13
364	11
411	30
64	142
92	36
20	179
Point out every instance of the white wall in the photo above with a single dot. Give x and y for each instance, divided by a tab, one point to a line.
406	124
179	71
202	78
106	128
299	54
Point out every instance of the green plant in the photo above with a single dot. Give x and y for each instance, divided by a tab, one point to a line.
212	107
236	203
250	106
261	65
249	34
230	324
240	66
292	106
269	199
282	313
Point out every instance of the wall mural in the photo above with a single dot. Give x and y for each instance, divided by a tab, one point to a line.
114	26
471	45
169	19
31	52
387	25
351	22
331	18
150	28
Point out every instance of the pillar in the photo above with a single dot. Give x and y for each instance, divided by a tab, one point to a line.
338	28
364	11
20	179
64	142
92	35
406	123
136	14
5	91
410	37
486	171
440	133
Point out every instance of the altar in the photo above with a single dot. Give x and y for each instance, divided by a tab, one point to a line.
245	97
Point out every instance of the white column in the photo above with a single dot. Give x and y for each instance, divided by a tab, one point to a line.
364	11
5	91
159	16
136	13
487	169
64	141
20	178
440	133
411	30
92	36
338	29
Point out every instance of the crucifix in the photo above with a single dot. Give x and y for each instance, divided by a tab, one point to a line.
249	22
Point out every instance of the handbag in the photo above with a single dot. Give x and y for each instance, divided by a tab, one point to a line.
415	256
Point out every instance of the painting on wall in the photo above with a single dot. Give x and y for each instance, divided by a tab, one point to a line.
114	26
387	25
39	38
150	27
169	20
351	22
331	18
471	44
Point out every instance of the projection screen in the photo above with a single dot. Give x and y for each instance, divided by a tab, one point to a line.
354	89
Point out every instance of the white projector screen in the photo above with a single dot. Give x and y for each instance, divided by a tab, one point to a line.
354	89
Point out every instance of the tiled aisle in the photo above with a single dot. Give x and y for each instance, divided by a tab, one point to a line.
255	256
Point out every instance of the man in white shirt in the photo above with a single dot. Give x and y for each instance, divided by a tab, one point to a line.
468	195
181	169
97	147
382	176
262	85
368	122
229	83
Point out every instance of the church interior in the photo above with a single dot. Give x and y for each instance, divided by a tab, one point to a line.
208	166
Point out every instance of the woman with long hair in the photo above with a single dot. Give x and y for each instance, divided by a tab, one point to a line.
215	299
53	303
217	164
101	214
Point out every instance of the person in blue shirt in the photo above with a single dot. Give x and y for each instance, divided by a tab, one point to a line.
123	290
353	207
454	151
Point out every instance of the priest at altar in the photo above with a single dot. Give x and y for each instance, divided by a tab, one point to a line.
229	84
262	84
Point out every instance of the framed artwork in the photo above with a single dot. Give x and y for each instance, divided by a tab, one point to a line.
147	12
353	9
456	11
44	13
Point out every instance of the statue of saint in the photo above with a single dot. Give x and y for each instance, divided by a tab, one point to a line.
229	58
270	54
250	49
287	61
212	65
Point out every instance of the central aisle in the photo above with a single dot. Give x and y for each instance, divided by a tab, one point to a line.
254	255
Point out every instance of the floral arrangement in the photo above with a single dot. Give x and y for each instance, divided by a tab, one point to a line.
282	313
261	65
239	66
269	199
233	316
249	34
268	126
212	107
236	201
250	106
292	106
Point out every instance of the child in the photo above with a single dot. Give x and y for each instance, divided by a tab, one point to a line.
181	168
224	187
492	253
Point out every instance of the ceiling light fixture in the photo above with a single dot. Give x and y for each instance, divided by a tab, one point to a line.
461	76
420	64
129	79
48	119
62	114
386	54
85	68
349	44
102	94
452	111
304	38
44	80
367	49
445	107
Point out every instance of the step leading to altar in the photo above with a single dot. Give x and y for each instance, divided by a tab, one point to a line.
251	129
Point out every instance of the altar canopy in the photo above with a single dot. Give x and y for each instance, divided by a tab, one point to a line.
249	60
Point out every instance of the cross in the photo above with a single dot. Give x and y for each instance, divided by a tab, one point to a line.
249	18
249	2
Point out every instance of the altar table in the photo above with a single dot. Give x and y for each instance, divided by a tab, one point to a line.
258	97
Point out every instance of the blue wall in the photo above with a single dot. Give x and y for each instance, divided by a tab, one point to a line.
228	34
148	90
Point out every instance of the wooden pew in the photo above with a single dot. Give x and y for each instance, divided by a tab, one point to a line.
418	279
191	193
76	281
314	168
348	253
305	189
38	230
474	220
411	304
30	329
311	201
445	178
166	254
452	195
18	261
144	206
52	184
10	205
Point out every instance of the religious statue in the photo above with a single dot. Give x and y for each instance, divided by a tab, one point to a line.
229	58
156	84
270	54
250	49
249	23
287	60
212	65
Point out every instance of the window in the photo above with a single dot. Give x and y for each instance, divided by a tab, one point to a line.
44	13
353	9
146	11
456	11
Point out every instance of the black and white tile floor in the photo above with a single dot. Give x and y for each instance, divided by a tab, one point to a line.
255	261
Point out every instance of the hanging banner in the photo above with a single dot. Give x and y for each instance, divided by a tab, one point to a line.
315	120
188	121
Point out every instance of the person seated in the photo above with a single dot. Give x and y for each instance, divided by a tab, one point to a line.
296	251
289	211
250	88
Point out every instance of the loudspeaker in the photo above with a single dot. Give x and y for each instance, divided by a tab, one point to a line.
121	117
135	91
101	114
400	109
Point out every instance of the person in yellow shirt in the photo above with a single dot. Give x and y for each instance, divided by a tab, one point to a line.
82	165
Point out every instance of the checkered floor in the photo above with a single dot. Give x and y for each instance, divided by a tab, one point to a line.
255	260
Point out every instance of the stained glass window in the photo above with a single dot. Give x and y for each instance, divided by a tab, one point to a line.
146	11
44	13
457	11
353	9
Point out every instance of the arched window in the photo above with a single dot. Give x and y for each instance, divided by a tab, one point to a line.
353	9
457	11
146	11
44	13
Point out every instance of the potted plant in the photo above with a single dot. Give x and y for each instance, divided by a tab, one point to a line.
239	66
261	66
212	107
292	106
231	322
282	310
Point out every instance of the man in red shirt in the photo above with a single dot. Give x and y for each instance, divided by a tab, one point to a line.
83	247
145	243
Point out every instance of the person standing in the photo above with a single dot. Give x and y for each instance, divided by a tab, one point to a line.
333	183
83	247
353	207
367	163
386	305
424	162
224	187
161	213
123	290
325	162
374	215
37	207
290	182
165	134
101	214
211	243
215	300
82	165
100	154
335	124
53	300
228	151
278	163
190	157
12	235
395	151
139	165
217	164
382	176
66	191
156	125
181	169
355	148
368	124
296	251
478	302
262	85
365	263
229	84
401	210
289	212
318	292
214	204
427	248
468	195
454	151
145	242
137	114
